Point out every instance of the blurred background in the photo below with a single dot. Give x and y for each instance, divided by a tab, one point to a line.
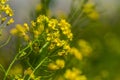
99	35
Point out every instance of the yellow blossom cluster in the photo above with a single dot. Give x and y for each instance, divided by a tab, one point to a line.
21	30
85	47
58	33
89	9
5	12
77	54
5	8
3	1
59	64
74	74
38	25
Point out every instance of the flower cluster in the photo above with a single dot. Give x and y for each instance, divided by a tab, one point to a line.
74	74
58	33
84	47
21	30
5	12
89	9
76	53
59	64
45	37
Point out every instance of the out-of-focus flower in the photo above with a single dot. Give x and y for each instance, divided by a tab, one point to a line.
74	74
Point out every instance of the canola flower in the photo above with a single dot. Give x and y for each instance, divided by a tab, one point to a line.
58	33
6	19
77	54
74	74
90	11
59	64
85	48
5	13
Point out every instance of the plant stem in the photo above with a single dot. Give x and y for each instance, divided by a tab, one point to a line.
37	66
11	64
6	42
13	61
44	46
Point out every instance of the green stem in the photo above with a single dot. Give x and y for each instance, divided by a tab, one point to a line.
13	61
78	9
37	66
44	46
6	42
10	66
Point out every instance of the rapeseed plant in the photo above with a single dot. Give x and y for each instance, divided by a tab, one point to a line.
46	50
47	45
6	19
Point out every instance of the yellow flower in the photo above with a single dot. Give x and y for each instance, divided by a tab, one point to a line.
41	19
52	46
26	37
85	48
10	21
20	28
53	66
33	23
38	7
3	1
8	10
40	28
94	15
66	47
62	53
81	77
3	19
16	69
70	75
36	33
49	37
52	23
13	31
66	29
26	26
74	74
60	63
76	53
57	41
88	7
29	72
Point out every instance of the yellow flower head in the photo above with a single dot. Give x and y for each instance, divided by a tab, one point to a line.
3	1
74	74
10	21
60	63
53	66
8	10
